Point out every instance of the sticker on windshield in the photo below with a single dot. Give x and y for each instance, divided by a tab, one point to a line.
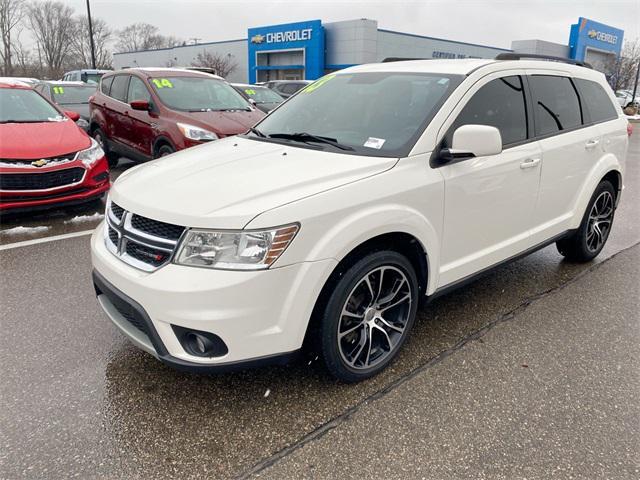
249	91
317	84
373	142
58	90
162	83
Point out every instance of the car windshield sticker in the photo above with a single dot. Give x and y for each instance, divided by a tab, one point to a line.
249	91
318	83
373	142
58	90
162	83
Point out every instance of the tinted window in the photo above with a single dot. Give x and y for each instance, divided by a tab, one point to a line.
138	90
290	88
501	104
556	104
597	101
72	94
119	87
105	85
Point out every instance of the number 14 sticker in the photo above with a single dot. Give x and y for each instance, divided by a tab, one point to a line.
162	83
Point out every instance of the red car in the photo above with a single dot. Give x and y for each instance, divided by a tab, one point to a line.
145	113
45	158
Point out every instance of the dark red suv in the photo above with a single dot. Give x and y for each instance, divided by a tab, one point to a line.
145	113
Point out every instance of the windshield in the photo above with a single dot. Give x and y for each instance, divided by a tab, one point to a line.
262	94
26	106
92	77
198	94
65	94
374	113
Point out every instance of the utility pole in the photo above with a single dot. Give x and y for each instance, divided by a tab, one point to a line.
93	48
635	85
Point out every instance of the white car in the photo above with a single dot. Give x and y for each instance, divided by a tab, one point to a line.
370	189
624	98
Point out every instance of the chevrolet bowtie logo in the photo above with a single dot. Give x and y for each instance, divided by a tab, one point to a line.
257	39
40	163
592	33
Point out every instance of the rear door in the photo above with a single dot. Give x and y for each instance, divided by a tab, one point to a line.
116	109
489	200
570	149
140	135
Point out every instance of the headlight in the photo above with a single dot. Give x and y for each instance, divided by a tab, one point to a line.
91	155
196	133
241	250
82	123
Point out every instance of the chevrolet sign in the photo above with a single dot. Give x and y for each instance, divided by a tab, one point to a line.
603	37
280	37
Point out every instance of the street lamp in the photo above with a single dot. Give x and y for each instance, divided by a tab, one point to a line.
93	48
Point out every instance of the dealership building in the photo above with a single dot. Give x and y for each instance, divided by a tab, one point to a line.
310	49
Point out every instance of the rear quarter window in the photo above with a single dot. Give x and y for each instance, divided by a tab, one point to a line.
597	101
105	85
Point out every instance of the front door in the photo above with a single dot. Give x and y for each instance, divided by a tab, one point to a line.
490	200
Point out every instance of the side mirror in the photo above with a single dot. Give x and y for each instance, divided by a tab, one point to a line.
140	105
473	141
75	116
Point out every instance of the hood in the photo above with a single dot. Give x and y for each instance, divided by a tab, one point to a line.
41	140
226	183
226	123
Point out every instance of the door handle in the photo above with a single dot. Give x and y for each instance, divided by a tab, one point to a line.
591	144
530	163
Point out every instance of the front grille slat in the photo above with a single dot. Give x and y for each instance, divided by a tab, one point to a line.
40	180
156	228
145	243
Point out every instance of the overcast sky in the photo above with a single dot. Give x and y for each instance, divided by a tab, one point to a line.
490	22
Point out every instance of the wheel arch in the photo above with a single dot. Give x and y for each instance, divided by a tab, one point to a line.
608	168
159	141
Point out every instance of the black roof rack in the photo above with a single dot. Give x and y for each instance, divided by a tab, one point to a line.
401	59
520	56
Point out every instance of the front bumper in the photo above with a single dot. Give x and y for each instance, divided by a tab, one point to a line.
94	184
261	316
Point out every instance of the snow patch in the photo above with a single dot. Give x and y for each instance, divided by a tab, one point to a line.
22	230
85	218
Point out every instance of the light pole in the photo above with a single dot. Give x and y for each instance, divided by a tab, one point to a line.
635	85
93	48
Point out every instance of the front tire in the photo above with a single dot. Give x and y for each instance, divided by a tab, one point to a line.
368	315
588	241
164	150
112	158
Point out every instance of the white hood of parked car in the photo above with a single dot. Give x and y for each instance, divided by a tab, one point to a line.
226	183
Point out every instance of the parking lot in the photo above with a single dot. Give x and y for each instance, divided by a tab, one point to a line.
78	400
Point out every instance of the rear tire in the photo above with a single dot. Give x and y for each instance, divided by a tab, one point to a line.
368	315
112	158
589	239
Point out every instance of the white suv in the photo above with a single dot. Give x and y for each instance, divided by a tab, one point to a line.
370	189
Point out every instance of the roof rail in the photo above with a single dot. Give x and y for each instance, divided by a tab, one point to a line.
520	56
401	59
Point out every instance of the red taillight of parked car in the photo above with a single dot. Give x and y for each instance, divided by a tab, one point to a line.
629	129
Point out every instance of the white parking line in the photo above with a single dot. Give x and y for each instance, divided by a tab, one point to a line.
53	238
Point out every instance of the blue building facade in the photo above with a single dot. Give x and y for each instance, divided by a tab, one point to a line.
589	38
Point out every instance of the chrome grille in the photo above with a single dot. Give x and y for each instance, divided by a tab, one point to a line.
142	242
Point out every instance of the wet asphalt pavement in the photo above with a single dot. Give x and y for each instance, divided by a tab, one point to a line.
78	400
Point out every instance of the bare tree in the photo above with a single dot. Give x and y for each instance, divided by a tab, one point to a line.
51	24
143	36
80	46
621	73
11	13
223	65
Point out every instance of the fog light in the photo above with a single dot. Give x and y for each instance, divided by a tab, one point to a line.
200	344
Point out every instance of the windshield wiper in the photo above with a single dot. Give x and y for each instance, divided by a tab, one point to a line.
257	132
25	121
307	137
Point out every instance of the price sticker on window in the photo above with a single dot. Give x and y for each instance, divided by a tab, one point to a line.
58	90
249	91
162	83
